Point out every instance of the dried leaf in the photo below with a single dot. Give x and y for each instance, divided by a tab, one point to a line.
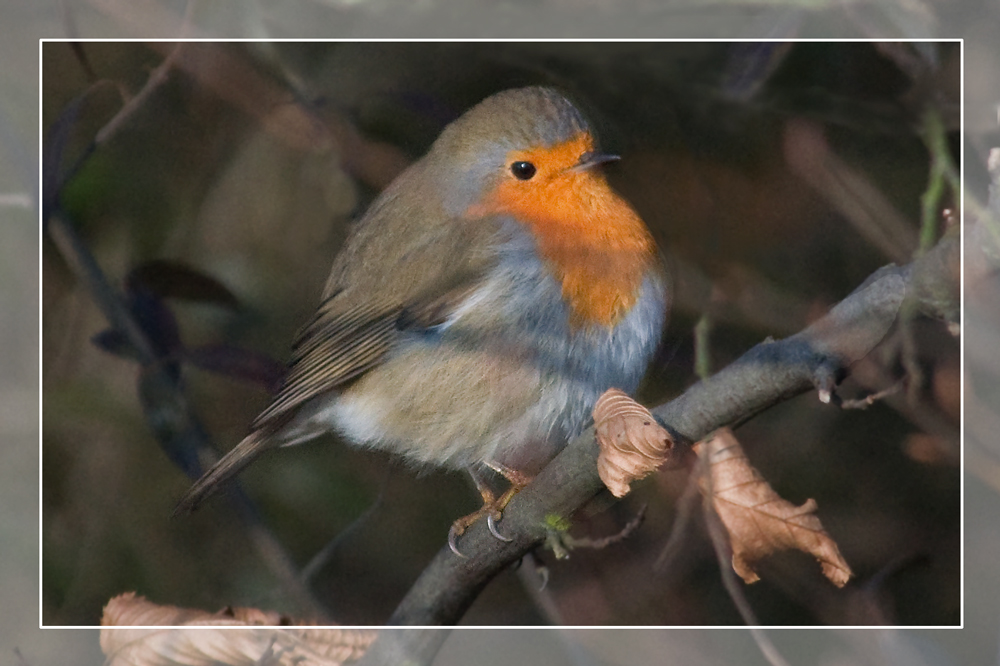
156	320
174	642
238	363
115	342
931	449
759	521
633	444
171	279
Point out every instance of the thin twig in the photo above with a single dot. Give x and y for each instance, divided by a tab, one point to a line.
732	584
703	347
597	544
172	402
871	398
74	251
534	577
942	172
858	200
685	512
937	144
720	544
323	557
156	78
21	661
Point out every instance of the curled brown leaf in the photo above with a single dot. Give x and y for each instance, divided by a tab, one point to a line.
633	444
137	631
758	520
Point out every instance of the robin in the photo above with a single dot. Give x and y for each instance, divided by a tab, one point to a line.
478	309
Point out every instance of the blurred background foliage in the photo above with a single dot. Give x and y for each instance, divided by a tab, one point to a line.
775	178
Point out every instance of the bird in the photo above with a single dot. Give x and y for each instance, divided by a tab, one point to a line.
478	308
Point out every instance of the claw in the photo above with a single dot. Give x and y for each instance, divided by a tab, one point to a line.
492	507
453	535
492	524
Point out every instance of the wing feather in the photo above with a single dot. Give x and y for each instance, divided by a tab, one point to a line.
332	350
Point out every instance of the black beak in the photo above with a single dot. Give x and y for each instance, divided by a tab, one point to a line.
589	160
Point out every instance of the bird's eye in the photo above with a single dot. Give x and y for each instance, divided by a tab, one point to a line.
522	170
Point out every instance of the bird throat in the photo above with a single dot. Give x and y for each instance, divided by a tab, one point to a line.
593	241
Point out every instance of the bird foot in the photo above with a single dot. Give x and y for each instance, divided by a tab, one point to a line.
459	526
493	510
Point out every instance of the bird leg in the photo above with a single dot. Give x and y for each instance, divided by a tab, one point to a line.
493	506
518	480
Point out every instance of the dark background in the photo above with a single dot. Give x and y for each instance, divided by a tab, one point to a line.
236	166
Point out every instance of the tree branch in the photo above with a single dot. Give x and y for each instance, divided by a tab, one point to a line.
769	373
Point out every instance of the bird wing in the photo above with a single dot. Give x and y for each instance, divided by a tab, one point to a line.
406	266
379	288
337	345
332	349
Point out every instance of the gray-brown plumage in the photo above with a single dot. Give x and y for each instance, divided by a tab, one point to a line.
454	328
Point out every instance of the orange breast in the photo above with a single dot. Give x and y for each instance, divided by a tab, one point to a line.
594	242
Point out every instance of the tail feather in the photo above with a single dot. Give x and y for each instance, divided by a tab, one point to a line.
231	464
